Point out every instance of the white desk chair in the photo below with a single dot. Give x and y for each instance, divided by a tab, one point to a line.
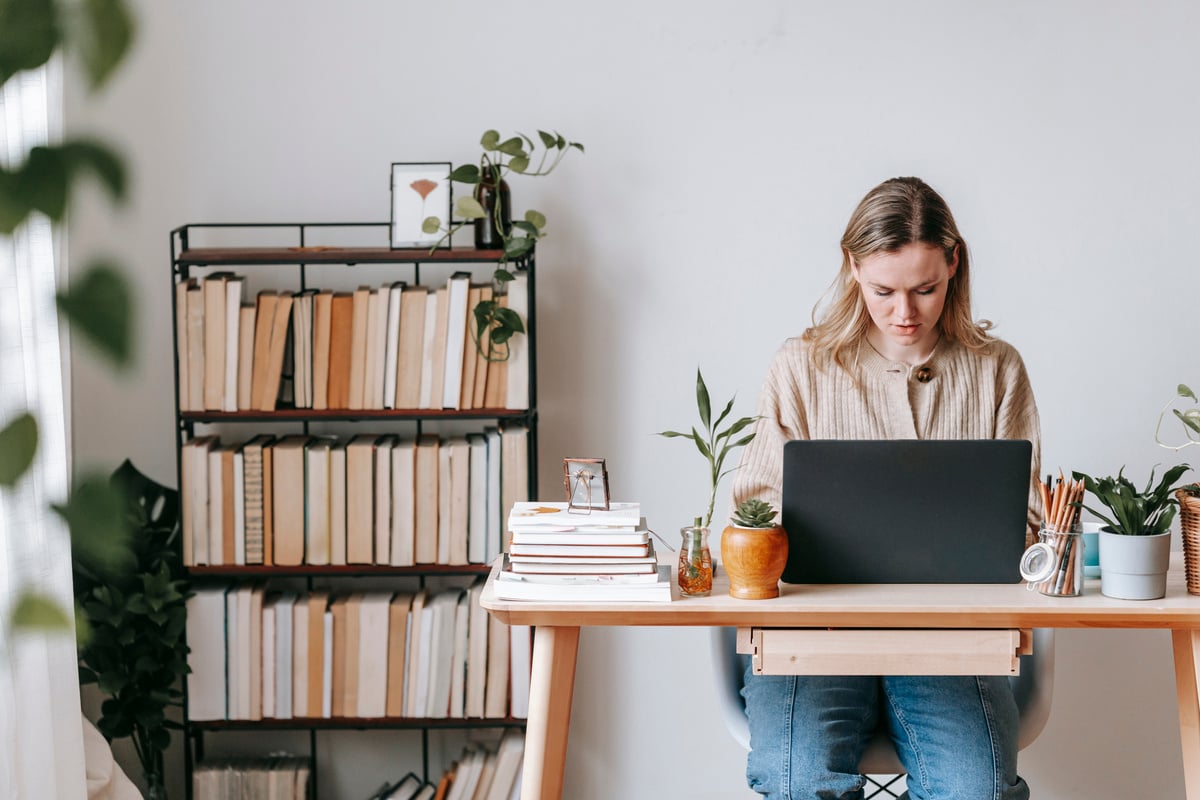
1033	690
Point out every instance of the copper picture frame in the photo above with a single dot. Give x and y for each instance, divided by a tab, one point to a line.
586	484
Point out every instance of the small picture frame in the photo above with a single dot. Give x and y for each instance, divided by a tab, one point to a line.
586	482
419	190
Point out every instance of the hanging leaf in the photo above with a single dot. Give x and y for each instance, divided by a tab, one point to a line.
548	139
512	147
702	401
535	218
95	515
100	306
43	180
105	38
519	164
490	140
467	173
37	611
29	34
18	445
1184	391
431	225
82	155
469	208
518	247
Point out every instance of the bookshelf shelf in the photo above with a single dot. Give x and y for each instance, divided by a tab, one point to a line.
288	258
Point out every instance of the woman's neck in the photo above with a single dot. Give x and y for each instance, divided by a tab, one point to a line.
914	355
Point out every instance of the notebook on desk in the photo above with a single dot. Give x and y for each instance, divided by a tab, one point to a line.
905	511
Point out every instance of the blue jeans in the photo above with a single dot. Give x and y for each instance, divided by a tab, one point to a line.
956	735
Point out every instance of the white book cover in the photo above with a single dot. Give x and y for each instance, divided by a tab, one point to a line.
460	496
233	655
444	502
337	503
239	508
427	351
283	656
466	781
206	636
317	528
495	533
424	644
533	514
383	499
379	333
458	657
508	764
608	592
233	307
518	346
196	485
413	653
578	536
391	352
215	507
487	772
403	545
372	655
477	499
300	658
268	657
327	668
456	337
441	652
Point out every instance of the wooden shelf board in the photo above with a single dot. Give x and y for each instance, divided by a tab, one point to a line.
246	256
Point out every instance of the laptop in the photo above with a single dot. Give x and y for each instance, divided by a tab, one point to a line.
905	511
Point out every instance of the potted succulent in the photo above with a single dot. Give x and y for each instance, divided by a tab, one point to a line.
1135	541
754	550
715	444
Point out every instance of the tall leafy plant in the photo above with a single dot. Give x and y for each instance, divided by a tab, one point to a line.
135	651
98	304
494	324
715	443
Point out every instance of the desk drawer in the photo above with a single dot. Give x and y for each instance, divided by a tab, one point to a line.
861	651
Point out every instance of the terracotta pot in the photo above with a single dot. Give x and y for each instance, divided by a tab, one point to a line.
754	559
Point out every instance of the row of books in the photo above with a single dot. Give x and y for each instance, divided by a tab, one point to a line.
557	553
392	346
371	499
481	773
417	654
243	778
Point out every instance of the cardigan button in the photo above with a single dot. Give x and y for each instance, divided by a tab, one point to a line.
924	374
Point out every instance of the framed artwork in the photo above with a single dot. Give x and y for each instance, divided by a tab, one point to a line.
419	191
586	482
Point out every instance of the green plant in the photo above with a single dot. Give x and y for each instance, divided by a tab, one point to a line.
135	652
754	513
1135	513
715	444
1190	419
98	303
495	325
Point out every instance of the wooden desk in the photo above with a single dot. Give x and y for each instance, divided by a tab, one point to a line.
927	606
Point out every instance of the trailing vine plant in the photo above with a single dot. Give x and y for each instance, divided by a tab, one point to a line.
494	324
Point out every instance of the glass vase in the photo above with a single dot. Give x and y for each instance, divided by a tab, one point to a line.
695	562
492	227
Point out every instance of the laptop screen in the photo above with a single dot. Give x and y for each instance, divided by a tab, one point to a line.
905	511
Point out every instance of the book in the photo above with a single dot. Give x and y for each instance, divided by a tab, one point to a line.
609	592
426	499
520	657
477	499
495	515
248	315
514	466
302	340
517	384
322	327
337	609
353	653
495	698
411	346
373	654
377	305
415	615
541	514
440	331
288	463
227	512
383	498
280	341
284	606
317	525
470	356
181	342
398	611
459	491
477	652
599	550
327	664
318	603
267	629
233	325
496	391
206	633
576	565
392	343
579	579
403	544
239	506
360	500
195	348
264	324
340	336
508	765
268	458
425	398
214	340
443	616
443	504
576	536
458	289
458	656
360	309
482	365
300	651
337	503
252	467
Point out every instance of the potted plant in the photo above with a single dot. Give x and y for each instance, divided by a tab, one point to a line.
695	560
136	616
754	550
1135	541
489	210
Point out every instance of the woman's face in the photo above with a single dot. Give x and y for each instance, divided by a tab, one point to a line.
905	292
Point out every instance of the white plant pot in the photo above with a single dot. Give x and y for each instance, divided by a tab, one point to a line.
1134	567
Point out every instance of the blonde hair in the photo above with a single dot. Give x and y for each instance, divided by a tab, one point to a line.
897	212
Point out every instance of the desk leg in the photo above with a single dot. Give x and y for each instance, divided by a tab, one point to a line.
552	682
1187	670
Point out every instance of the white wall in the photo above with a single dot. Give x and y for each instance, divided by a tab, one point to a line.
727	144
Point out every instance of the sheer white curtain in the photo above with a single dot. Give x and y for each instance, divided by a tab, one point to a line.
41	743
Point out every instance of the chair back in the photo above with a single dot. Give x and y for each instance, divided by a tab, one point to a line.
1032	689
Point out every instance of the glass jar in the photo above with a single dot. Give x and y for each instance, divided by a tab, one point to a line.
490	189
695	562
1054	566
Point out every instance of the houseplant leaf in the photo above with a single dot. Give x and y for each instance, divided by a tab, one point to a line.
99	305
18	445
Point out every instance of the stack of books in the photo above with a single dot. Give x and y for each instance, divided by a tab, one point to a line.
559	554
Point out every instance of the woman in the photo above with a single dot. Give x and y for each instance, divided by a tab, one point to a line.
894	355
